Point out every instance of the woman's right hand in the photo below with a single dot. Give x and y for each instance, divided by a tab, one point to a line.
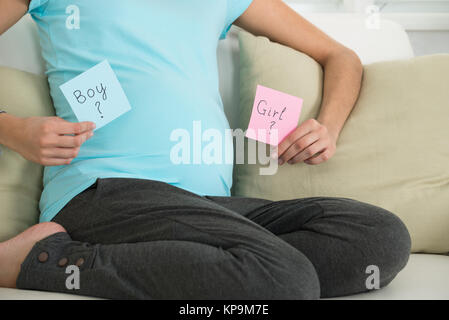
50	141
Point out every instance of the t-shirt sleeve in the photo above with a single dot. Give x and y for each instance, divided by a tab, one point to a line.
235	8
37	6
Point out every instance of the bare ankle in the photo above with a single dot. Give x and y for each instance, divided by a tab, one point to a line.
14	251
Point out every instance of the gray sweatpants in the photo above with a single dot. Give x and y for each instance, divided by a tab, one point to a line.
147	239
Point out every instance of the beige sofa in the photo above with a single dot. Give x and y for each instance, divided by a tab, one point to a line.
425	277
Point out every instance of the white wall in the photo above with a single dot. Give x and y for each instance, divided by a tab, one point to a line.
429	42
426	22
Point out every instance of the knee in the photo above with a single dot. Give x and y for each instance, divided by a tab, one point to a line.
384	241
301	279
291	276
367	238
391	243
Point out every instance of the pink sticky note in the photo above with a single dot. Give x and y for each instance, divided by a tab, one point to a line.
275	115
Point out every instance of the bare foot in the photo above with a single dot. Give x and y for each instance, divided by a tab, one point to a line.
14	251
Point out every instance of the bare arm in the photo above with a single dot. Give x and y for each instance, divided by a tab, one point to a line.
46	140
10	12
314	141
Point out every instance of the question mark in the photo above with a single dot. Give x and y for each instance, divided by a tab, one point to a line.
272	124
97	104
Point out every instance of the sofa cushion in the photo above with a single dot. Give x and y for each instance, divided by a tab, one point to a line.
393	151
425	277
22	94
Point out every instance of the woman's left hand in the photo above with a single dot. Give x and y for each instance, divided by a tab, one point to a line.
311	143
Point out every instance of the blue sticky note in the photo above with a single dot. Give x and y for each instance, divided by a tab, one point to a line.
96	95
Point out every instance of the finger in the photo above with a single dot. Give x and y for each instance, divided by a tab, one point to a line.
64	141
305	128
310	151
55	162
320	158
72	141
66	127
60	153
299	145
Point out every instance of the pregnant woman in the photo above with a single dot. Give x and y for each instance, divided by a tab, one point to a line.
137	225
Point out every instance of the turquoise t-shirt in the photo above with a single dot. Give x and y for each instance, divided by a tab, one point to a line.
164	55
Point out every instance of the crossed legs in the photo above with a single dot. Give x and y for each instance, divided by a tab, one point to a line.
150	240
